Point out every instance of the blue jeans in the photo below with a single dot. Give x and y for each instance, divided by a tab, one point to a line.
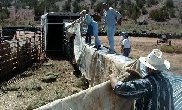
126	52
89	34
93	31
110	35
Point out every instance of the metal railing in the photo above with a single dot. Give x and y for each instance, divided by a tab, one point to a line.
20	52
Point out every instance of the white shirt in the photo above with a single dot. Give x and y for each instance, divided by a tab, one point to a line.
126	43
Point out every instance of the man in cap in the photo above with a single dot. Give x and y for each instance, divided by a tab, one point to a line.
92	31
153	91
111	18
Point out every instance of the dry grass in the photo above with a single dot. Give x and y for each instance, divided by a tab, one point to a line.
171	49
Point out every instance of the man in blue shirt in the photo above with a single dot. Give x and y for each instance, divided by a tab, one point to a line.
111	18
92	31
154	91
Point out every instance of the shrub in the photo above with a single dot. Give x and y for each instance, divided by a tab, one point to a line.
83	83
67	6
171	49
159	15
169	3
4	13
33	86
50	77
59	95
178	50
151	2
13	88
180	14
140	3
98	9
167	49
144	11
35	104
76	7
172	13
134	12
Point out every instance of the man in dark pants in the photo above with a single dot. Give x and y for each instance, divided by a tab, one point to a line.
126	45
89	33
92	31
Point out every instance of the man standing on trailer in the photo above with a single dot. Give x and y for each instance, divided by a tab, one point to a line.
111	18
92	31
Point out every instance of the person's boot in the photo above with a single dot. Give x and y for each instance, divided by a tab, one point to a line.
98	47
111	51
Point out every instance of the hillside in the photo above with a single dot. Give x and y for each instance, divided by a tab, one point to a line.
169	12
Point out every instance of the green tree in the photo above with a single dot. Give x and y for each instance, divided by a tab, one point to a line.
128	2
140	3
76	7
123	8
54	8
135	12
180	14
67	6
92	4
131	10
159	14
93	1
144	11
172	13
109	2
98	8
151	2
6	3
47	5
169	4
41	7
4	13
31	3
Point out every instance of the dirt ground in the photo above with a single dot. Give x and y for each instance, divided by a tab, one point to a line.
27	90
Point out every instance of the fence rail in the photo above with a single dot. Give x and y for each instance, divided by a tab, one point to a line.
20	52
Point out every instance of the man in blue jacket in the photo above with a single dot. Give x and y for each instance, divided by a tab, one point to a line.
92	31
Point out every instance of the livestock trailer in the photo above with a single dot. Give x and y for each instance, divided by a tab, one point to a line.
53	26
